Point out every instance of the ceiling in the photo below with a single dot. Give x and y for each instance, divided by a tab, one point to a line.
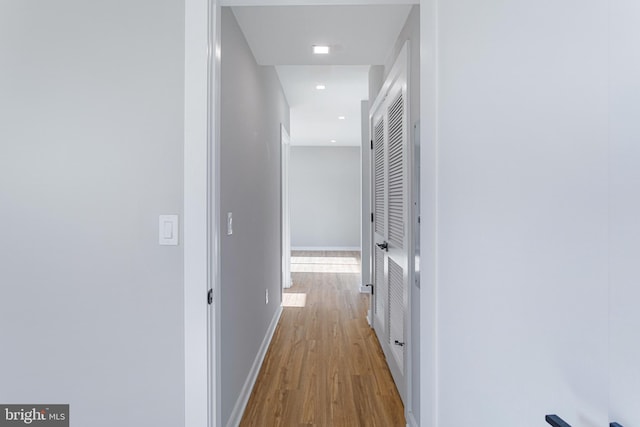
358	36
314	113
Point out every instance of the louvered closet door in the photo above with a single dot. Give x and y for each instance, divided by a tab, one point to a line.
396	220
389	133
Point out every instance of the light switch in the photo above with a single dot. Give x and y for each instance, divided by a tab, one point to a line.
229	223
168	230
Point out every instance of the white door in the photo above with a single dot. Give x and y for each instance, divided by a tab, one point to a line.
391	241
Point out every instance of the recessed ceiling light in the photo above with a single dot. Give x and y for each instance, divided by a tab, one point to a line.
333	140
341	117
320	49
321	87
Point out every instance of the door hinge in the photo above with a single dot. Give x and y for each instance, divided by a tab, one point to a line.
372	144
371	216
210	296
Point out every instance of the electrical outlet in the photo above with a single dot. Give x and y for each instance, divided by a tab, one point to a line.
266	296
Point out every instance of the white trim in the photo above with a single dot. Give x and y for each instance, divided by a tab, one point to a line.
411	421
195	253
197	393
314	2
241	403
429	202
285	146
364	289
215	325
365	196
325	248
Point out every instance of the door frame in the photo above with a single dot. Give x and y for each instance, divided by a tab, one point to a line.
201	201
201	218
400	71
285	215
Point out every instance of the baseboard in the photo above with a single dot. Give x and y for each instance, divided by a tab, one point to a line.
287	283
241	403
364	289
325	248
411	420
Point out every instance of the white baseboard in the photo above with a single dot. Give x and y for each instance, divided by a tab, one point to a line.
364	289
287	283
325	248
411	420
241	403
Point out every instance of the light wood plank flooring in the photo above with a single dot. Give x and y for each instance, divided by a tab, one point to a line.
325	366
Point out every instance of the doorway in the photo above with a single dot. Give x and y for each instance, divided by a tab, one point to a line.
213	150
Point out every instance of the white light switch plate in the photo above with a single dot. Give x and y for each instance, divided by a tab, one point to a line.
168	230
229	223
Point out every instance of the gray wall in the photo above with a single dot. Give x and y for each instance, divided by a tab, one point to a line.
252	108
325	197
376	78
91	307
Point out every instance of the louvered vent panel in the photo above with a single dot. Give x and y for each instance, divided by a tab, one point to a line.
396	311
378	153
381	292
396	172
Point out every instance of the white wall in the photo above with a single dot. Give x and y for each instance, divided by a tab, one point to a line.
325	197
91	142
252	108
517	166
624	216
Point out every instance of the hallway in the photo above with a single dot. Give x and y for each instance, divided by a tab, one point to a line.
324	366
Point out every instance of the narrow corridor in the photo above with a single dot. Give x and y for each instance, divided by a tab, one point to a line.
325	366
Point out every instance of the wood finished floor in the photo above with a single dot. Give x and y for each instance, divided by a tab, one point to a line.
324	366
